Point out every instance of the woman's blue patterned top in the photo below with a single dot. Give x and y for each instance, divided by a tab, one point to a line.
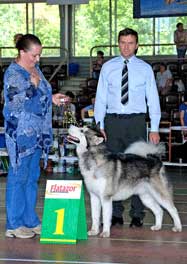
28	114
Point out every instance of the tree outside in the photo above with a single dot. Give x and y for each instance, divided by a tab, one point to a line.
94	25
92	28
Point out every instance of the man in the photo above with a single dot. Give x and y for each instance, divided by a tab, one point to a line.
123	121
164	79
180	39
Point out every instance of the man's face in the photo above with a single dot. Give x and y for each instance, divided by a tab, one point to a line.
180	28
162	68
127	45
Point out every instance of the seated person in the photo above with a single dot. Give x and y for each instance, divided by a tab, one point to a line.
164	80
179	85
183	114
69	105
59	112
97	65
88	111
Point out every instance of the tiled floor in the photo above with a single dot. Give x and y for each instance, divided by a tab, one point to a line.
127	246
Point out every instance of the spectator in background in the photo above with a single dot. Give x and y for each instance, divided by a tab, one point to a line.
97	65
69	105
183	114
88	111
180	39
183	111
164	80
60	112
179	85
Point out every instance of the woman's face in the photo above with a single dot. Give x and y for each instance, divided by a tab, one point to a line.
32	56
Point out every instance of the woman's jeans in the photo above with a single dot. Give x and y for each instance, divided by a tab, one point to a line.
21	192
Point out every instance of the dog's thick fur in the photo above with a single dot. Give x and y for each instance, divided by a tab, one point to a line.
111	177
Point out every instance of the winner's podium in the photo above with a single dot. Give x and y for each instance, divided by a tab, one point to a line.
64	217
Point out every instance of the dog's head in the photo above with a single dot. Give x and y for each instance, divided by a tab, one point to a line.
84	136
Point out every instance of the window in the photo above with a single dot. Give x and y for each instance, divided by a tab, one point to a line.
97	24
91	26
9	13
43	20
46	27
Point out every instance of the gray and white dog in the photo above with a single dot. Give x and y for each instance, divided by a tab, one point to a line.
111	177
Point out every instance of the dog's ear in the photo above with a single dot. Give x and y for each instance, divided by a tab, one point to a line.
94	126
98	140
98	127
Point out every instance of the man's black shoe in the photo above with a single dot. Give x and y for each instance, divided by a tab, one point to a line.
117	220
136	221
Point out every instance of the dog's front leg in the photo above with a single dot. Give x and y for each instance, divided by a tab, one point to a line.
107	216
95	212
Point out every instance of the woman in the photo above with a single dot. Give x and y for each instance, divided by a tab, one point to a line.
28	130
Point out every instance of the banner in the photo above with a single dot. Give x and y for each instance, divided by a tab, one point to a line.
159	8
64	217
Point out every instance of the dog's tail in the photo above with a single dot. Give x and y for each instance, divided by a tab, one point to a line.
142	148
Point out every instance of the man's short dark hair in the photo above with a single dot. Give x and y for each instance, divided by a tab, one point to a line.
92	96
126	32
100	52
179	24
70	94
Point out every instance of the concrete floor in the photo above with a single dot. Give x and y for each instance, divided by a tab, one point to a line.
127	246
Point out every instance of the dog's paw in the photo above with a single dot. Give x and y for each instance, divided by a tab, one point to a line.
93	232
155	227
105	234
177	229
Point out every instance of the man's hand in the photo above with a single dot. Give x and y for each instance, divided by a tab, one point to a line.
154	137
104	134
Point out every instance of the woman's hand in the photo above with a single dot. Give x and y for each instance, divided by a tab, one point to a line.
59	99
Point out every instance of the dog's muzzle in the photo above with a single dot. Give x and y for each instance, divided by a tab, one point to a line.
73	139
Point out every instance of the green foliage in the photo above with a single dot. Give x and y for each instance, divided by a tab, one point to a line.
92	27
46	26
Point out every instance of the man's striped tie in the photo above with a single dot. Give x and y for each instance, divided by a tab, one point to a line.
124	84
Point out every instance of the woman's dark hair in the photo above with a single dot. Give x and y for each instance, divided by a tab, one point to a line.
126	32
163	64
17	37
25	41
